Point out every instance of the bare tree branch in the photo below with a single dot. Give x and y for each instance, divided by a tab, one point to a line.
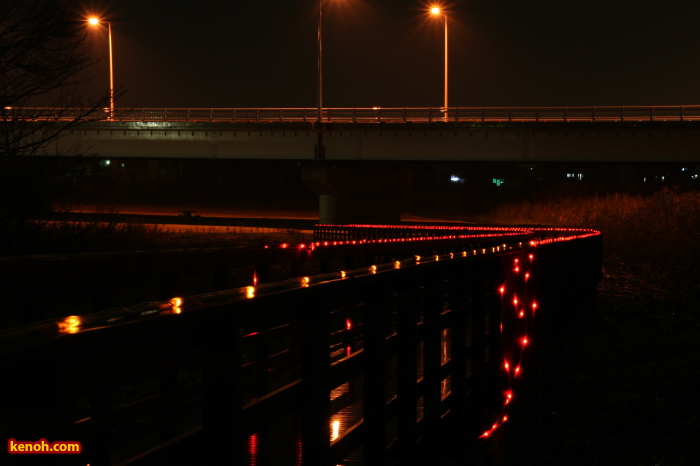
44	52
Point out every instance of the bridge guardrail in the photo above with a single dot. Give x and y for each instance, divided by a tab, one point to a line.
171	369
372	115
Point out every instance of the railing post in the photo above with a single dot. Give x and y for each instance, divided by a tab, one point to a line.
406	370
374	386
221	392
432	311
315	370
458	300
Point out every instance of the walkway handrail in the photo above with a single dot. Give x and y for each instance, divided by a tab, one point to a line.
221	368
372	115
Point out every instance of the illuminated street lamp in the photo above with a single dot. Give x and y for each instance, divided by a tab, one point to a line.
436	11
94	22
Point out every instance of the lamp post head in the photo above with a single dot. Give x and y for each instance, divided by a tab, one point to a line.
94	21
435	10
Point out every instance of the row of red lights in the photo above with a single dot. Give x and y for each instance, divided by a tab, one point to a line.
525	309
525	305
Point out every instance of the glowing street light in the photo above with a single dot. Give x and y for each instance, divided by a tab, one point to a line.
436	11
94	21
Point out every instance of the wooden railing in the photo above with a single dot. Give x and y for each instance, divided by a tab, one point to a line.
424	354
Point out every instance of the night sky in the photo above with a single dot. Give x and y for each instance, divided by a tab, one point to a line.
388	53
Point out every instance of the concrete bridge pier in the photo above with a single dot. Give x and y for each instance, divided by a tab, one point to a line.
353	193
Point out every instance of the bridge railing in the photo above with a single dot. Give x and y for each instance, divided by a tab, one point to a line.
373	115
419	356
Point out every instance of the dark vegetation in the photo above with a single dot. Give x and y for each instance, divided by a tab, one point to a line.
631	397
43	55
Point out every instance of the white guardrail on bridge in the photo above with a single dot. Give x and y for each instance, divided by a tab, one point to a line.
369	115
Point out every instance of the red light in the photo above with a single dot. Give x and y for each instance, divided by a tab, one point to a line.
521	314
284	245
253	448
502	289
524	341
348	324
515	300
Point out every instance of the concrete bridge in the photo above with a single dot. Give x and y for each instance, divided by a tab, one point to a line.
590	134
350	153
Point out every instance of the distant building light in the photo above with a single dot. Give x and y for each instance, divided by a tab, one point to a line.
694	177
684	169
456	179
498	181
105	163
578	176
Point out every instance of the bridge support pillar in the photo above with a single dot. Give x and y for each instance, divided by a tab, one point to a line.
350	193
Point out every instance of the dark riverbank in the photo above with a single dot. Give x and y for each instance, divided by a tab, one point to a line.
632	398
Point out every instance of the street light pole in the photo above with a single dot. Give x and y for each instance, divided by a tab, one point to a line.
446	62
94	22
437	11
111	69
320	59
320	149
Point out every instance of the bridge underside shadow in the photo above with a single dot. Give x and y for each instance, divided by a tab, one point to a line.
356	193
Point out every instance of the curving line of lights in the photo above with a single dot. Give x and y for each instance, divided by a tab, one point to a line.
519	305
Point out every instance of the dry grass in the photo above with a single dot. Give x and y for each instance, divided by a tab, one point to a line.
106	235
661	229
